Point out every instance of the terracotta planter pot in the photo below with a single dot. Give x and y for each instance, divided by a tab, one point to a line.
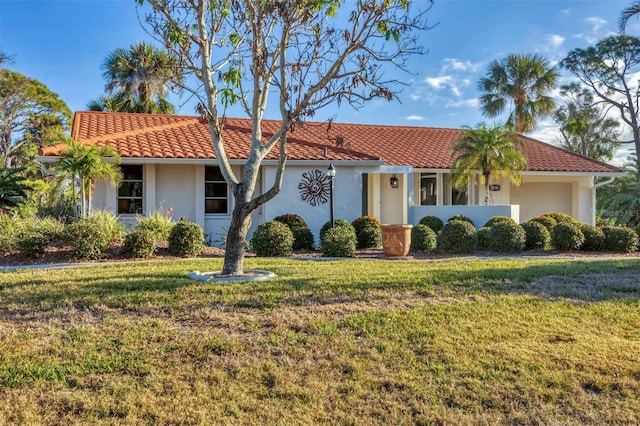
396	240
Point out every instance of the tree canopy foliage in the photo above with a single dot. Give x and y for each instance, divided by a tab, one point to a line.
30	114
307	54
521	84
491	152
608	70
585	126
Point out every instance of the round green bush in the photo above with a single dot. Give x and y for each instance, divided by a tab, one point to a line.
302	238
593	237
339	242
32	244
272	239
140	243
457	236
537	235
339	223
433	222
546	221
423	239
560	217
566	236
507	237
461	218
88	239
185	239
368	232
498	219
620	239
292	220
483	236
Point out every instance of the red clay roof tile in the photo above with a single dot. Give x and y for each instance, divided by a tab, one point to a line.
170	136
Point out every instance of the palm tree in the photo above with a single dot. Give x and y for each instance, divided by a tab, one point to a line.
83	165
137	78
13	187
490	152
627	13
523	83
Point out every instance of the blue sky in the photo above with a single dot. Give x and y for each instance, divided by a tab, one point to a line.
63	42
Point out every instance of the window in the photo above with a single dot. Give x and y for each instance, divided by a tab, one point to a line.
428	189
456	197
216	191
130	190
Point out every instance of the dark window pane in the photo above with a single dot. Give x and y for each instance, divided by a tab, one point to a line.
215	190
215	206
212	174
129	206
131	172
130	189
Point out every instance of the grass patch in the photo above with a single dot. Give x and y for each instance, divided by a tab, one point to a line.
348	342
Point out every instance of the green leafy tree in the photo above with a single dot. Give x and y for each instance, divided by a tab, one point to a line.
81	166
609	70
490	152
138	79
308	54
585	126
30	114
620	200
521	84
13	189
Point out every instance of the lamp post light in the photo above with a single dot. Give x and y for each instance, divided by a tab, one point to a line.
331	172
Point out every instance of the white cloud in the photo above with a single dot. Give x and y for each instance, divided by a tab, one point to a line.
439	82
594	33
414	117
466	103
596	23
555	41
457	65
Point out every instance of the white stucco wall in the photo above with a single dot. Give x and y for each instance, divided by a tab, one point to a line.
347	196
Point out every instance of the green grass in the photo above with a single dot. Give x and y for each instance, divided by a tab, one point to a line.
342	342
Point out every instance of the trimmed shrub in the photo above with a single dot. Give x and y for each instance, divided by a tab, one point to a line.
560	217
498	219
272	239
157	222
457	236
140	243
484	238
433	222
339	223
292	221
593	237
423	239
185	239
88	239
537	236
461	218
31	244
8	234
507	237
339	242
546	221
368	232
566	236
108	222
303	238
620	239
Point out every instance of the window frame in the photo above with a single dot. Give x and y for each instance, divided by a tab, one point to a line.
131	197
226	198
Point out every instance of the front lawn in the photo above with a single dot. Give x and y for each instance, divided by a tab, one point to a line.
354	341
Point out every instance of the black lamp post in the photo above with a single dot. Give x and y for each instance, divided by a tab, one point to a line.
331	172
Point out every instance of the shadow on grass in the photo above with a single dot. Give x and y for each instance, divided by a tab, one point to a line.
163	290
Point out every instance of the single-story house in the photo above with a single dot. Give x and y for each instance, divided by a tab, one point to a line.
397	174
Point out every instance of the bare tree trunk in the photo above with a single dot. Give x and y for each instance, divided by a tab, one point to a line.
236	238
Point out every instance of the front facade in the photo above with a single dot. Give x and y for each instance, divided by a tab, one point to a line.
397	174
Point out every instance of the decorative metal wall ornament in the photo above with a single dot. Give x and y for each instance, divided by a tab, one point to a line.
314	187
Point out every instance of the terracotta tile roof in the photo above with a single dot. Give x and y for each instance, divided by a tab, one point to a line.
169	136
